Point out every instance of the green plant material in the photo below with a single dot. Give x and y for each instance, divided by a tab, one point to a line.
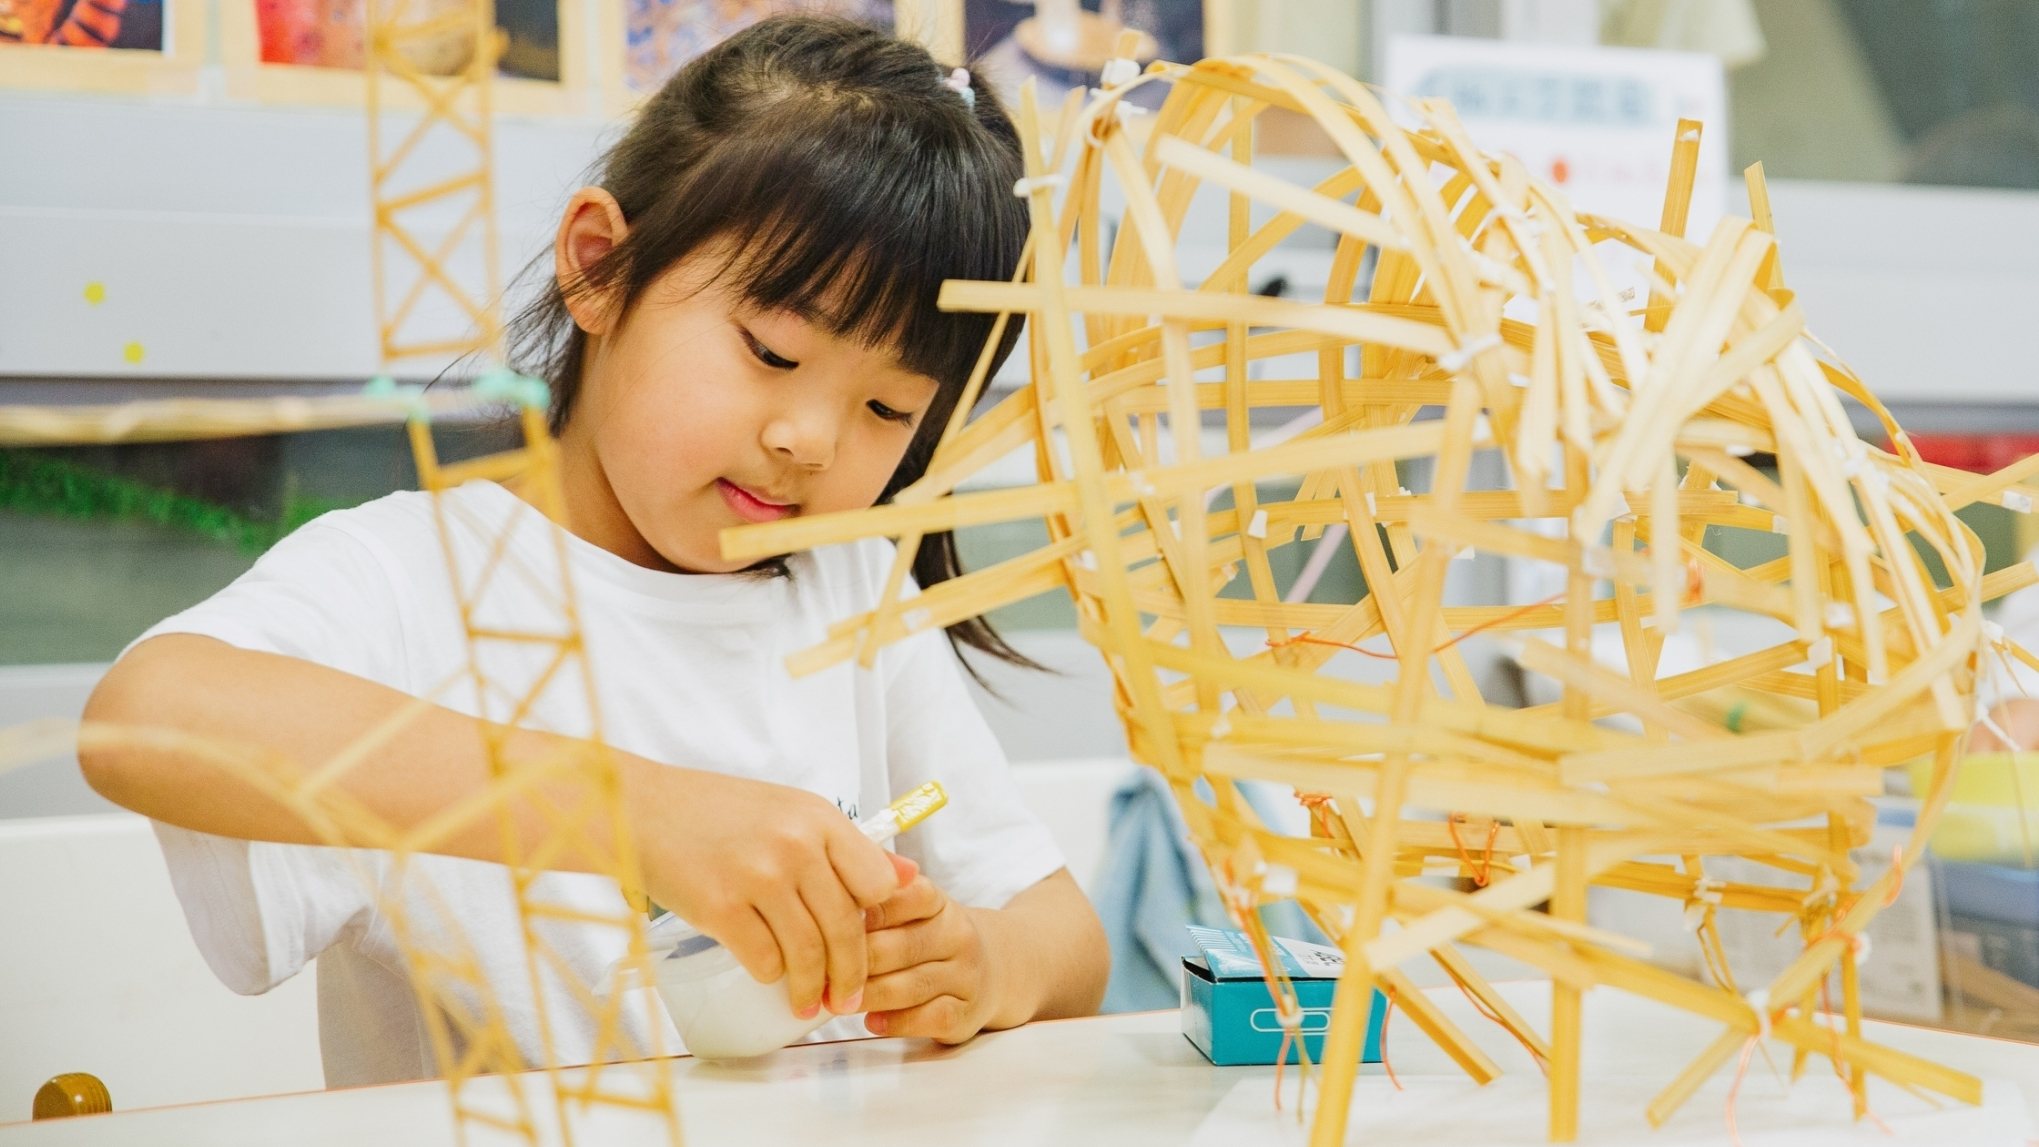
49	487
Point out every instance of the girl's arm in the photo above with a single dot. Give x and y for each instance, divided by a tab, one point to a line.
777	874
941	970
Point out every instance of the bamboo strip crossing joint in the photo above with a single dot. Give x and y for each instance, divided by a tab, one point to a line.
1594	405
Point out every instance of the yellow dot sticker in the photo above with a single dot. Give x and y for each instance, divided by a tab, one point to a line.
95	293
132	353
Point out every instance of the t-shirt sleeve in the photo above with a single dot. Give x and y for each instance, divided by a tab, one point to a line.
260	911
985	846
324	594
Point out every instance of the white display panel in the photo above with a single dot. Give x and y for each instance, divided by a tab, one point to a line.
225	241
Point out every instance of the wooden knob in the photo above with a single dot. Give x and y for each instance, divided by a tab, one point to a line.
72	1093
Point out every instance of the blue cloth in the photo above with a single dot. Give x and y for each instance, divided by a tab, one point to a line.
1154	885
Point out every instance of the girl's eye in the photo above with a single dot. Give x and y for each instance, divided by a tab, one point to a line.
764	354
904	418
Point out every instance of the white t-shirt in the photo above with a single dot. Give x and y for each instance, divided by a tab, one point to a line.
688	669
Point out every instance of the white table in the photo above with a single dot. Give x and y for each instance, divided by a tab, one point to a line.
1119	1080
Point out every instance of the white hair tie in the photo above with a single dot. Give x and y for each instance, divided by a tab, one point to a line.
958	82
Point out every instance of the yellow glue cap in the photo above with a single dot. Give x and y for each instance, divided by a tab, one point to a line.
918	805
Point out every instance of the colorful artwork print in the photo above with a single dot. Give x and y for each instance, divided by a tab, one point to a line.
126	24
662	35
316	33
329	34
1064	44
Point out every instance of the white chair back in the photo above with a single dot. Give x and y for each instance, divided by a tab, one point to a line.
98	973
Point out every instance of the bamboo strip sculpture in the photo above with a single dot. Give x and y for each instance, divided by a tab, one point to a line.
1593	405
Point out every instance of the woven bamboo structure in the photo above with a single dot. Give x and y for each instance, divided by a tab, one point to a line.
1629	428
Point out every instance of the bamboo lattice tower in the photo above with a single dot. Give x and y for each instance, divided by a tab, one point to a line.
574	793
432	300
1593	404
444	59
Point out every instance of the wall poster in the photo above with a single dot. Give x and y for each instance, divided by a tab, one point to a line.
1064	44
102	45
311	51
660	36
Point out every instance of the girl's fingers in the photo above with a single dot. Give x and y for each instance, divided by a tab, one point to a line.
842	932
802	949
903	870
945	1019
920	942
750	940
918	899
865	870
906	988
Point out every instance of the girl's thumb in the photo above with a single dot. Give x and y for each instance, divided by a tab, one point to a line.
904	868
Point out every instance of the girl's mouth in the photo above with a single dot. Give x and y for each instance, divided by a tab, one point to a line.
748	506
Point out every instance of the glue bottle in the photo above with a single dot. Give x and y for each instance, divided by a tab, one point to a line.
720	1011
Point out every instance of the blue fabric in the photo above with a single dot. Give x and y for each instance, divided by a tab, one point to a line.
1154	885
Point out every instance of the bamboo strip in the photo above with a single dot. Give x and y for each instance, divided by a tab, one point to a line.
1345	322
183	419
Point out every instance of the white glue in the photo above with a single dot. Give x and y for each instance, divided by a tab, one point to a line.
720	1011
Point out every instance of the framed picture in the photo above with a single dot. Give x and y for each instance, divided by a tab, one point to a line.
102	45
652	39
311	52
1064	44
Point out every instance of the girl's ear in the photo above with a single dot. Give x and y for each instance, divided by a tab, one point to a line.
592	227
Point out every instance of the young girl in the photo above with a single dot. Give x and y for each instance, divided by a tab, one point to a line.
742	328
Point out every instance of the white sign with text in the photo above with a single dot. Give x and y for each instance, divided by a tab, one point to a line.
1597	123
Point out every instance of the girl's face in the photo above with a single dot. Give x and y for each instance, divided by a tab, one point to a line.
698	411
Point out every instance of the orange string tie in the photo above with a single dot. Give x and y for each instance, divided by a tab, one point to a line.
1504	619
1320	820
1494	1018
1483	871
1281	1058
1734	1134
1511	615
1291	1026
1306	639
1897	863
1834	1040
1385	1017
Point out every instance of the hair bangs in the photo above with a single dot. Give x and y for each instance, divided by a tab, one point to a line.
858	234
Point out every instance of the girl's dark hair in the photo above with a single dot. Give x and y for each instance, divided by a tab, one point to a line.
848	181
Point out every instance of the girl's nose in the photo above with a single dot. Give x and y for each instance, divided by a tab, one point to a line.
805	438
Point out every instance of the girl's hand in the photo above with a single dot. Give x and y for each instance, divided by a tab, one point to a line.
932	972
941	970
780	876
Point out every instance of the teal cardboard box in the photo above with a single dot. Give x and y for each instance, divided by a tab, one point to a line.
1228	1011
